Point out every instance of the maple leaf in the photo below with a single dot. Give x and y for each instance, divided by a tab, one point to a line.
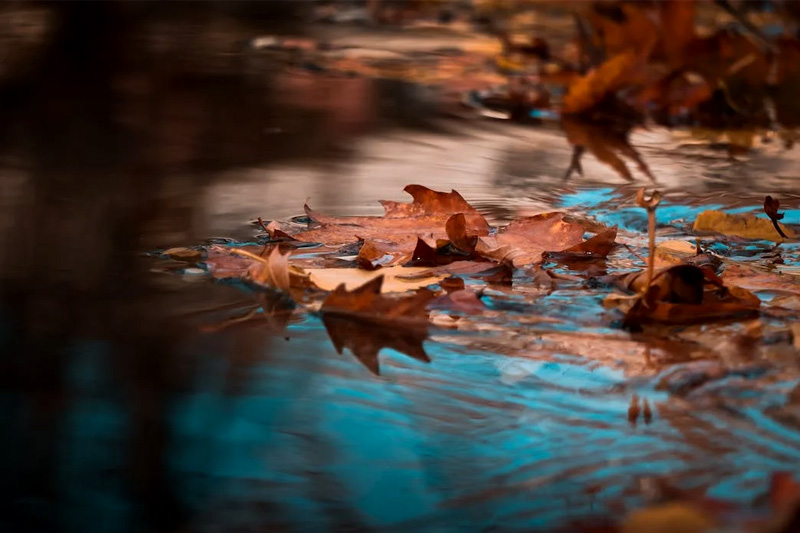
365	321
401	224
524	240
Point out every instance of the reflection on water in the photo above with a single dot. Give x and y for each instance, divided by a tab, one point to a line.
129	412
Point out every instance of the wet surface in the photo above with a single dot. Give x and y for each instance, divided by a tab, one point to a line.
135	411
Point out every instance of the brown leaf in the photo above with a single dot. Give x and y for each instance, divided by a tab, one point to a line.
524	240
685	294
458	233
425	217
771	207
597	247
365	321
757	279
377	253
272	271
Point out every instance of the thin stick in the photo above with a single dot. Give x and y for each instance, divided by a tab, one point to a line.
261	223
650	204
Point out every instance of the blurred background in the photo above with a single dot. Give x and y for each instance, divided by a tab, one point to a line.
129	127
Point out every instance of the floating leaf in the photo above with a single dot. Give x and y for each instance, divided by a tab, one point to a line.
394	279
681	294
402	223
740	225
272	271
366	321
524	240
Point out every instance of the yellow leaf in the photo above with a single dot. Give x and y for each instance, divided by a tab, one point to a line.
746	226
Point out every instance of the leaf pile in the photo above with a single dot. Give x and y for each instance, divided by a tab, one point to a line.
380	281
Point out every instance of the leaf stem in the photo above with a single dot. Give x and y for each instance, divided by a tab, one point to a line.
650	204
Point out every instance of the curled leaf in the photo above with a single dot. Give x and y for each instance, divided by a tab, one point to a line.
682	294
771	207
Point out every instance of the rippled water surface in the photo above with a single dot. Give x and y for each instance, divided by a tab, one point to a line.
135	404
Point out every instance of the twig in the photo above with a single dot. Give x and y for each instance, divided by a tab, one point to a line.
264	226
650	204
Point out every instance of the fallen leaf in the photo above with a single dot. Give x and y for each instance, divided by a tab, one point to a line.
758	279
597	247
741	225
524	240
377	253
681	294
402	223
271	271
394	279
365	321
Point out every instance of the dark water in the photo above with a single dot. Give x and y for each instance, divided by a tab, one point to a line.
125	411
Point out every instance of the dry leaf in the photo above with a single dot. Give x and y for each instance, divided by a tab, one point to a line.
682	294
395	278
744	225
272	271
524	240
365	321
402	224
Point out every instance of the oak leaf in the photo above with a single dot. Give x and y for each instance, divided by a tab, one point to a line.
366	321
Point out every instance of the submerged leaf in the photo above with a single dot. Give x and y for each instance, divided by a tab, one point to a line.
365	321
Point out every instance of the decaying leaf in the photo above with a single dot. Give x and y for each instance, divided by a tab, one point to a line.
682	294
596	247
271	271
759	279
402	223
365	321
377	253
741	225
524	240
